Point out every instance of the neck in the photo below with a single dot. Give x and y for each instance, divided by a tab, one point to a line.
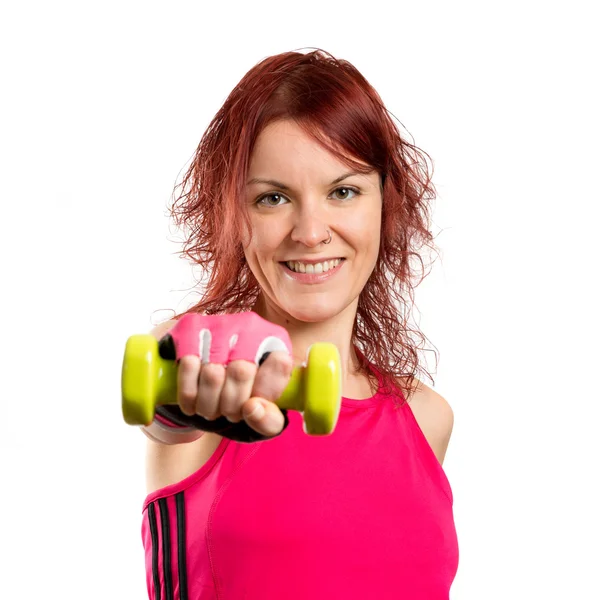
337	330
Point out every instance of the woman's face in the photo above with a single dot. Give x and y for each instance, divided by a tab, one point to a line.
307	195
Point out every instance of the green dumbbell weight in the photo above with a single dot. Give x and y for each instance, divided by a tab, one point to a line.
148	380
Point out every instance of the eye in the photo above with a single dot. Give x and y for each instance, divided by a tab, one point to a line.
266	199
346	189
262	200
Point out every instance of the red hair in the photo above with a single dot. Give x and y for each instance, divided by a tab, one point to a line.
335	105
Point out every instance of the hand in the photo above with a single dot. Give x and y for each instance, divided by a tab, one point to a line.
234	366
240	391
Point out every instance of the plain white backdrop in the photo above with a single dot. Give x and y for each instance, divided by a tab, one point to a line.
103	105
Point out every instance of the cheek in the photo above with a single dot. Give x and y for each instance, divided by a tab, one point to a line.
246	236
366	231
365	226
261	240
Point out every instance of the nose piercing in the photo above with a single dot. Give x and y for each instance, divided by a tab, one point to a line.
330	236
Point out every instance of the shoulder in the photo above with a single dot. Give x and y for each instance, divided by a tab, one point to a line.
159	330
434	416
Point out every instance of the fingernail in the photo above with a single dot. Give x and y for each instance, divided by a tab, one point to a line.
258	412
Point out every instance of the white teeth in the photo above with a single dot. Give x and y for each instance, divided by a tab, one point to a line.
317	268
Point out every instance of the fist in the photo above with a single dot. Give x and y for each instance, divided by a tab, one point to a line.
234	366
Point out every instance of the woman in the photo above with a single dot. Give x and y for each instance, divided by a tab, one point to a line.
305	206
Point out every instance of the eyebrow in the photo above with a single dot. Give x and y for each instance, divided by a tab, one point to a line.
282	186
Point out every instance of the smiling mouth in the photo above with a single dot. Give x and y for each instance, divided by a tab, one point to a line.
312	269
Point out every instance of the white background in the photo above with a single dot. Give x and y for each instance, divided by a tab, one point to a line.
103	105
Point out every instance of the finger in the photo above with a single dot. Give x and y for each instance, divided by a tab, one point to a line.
236	390
263	416
187	383
273	376
210	384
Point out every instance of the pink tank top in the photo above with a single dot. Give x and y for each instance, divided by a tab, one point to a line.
363	513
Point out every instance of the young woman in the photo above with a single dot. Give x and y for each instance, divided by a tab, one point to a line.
304	205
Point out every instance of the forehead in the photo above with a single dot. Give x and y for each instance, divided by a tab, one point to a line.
285	145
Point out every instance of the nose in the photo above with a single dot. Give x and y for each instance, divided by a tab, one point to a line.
310	229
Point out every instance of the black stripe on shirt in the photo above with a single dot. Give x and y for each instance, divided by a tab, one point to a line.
166	547
181	546
154	535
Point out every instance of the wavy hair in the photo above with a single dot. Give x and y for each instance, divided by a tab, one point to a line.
333	103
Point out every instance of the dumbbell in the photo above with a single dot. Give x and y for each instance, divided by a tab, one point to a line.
148	380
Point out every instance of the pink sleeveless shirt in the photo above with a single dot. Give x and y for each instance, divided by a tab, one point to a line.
363	513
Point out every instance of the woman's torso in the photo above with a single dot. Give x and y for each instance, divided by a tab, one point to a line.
365	513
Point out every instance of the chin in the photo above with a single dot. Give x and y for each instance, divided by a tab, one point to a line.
312	314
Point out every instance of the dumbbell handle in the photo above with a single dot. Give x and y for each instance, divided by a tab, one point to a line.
166	386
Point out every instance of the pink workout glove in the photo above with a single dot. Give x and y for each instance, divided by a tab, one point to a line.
221	339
